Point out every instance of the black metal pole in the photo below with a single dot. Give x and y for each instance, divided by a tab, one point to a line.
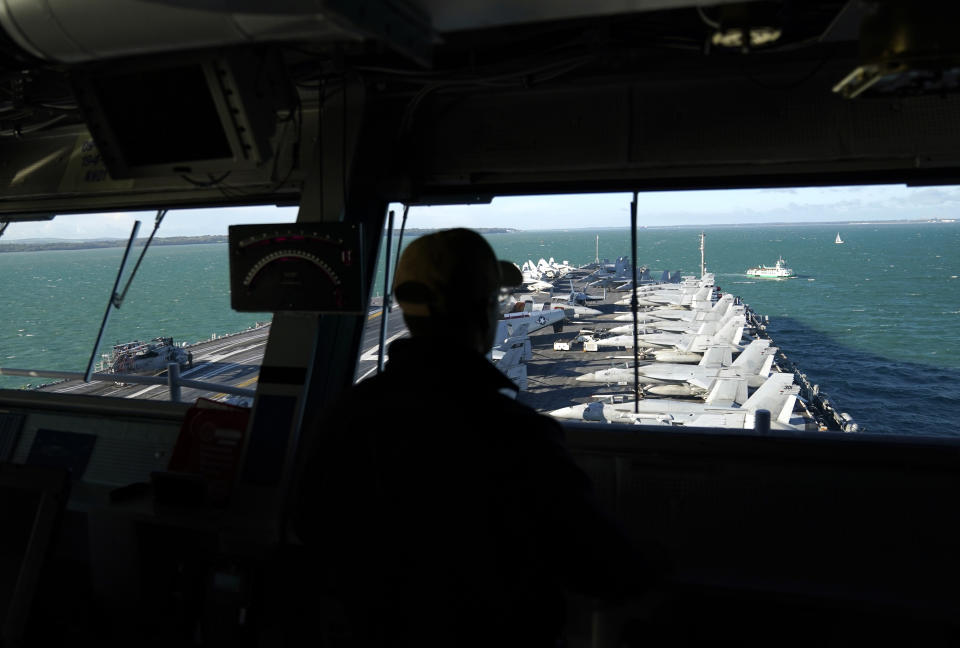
403	227
118	298
387	291
110	302
385	308
634	306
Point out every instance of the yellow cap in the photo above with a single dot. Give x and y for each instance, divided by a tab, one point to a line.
450	270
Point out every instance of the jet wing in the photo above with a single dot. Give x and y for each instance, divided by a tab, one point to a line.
732	420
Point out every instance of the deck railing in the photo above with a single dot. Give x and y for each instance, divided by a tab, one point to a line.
172	380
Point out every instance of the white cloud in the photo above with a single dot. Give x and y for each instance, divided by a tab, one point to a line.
708	207
177	222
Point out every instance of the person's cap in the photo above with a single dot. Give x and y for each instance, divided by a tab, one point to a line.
447	268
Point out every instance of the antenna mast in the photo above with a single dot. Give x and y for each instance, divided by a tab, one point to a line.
597	259
703	267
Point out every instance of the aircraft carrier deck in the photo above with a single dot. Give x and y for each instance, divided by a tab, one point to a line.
551	374
232	359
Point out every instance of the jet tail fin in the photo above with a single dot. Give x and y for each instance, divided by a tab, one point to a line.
732	331
716	356
777	395
701	300
767	365
510	358
726	391
722	306
752	357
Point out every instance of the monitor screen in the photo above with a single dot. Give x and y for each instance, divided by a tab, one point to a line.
163	116
191	115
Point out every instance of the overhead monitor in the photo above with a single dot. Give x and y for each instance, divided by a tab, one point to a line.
183	115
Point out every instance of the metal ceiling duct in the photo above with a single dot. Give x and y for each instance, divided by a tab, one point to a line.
68	31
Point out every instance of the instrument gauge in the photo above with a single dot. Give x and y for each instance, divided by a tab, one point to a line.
315	267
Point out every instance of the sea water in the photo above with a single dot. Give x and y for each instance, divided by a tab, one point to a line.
875	322
53	303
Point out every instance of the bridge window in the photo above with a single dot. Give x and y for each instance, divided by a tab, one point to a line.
58	279
862	320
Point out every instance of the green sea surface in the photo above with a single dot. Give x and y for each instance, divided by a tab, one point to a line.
53	303
875	322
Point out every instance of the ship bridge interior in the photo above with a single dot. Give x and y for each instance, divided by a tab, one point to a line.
341	109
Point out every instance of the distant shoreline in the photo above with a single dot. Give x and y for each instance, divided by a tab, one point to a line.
92	244
79	244
481	230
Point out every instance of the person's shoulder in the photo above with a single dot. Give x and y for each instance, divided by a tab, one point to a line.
355	398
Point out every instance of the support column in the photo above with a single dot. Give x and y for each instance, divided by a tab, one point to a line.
310	359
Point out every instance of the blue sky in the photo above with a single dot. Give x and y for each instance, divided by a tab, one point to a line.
715	207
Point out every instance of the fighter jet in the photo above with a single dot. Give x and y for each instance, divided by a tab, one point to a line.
511	343
644	278
512	363
777	395
754	365
706	325
682	340
613	274
536	316
693	297
578	296
553	270
714	357
532	278
577	302
700	310
681	326
729	333
673	379
689	286
705	311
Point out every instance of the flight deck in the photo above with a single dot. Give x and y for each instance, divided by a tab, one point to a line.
232	359
559	355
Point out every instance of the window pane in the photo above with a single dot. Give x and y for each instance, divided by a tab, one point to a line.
57	287
870	323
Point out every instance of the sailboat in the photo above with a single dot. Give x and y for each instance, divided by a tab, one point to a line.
839	240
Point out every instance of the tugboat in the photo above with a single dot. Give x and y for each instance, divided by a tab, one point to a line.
778	271
138	357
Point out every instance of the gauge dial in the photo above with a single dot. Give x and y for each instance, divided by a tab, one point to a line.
296	267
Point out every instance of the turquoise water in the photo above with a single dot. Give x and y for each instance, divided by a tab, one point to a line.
875	322
53	303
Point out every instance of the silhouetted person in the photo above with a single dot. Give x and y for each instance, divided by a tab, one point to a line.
442	511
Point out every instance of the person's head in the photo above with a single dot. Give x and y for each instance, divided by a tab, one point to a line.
448	284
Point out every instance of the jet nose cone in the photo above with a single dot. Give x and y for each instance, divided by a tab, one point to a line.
585	378
565	413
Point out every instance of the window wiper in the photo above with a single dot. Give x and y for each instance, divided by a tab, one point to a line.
635	306
116	299
387	293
